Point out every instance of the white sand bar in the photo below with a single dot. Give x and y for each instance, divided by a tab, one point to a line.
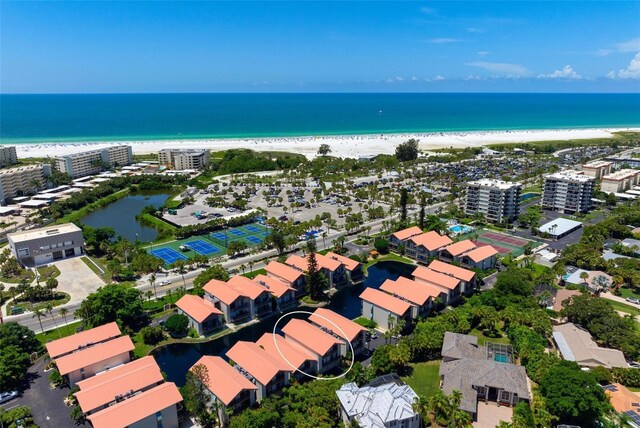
351	146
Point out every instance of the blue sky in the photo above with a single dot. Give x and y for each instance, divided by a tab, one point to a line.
66	47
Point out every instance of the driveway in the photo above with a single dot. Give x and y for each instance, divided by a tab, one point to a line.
77	279
490	415
46	404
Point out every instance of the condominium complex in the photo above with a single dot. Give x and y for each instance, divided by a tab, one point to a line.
8	156
495	199
184	159
23	180
620	181
93	161
597	169
569	192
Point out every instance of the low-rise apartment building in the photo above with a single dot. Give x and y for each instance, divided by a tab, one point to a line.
468	254
181	159
342	328
400	237
292	353
620	181
568	192
292	277
23	180
284	294
497	200
94	161
8	156
325	347
239	299
448	286
385	309
425	246
332	269
597	169
47	244
420	296
352	267
203	316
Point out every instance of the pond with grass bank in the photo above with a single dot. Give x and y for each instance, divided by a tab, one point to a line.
176	359
121	216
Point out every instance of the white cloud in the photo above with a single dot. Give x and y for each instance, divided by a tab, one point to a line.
511	70
395	79
483	53
473	77
631	72
414	79
566	73
632	45
428	11
443	40
438	78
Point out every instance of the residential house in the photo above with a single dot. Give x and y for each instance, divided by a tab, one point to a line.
323	345
384	309
401	237
425	246
466	277
449	286
227	386
625	402
299	358
342	328
576	344
203	316
420	296
284	294
594	280
290	276
268	373
352	267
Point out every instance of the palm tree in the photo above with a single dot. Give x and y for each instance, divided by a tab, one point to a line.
180	267
50	310
324	239
584	276
63	313
243	267
152	282
149	295
39	313
251	263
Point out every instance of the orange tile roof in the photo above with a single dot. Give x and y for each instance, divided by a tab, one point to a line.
410	290
237	286
348	263
222	291
257	362
622	399
197	308
94	354
310	336
350	328
246	287
431	240
275	286
425	274
225	382
297	262
103	388
481	253
407	233
460	247
296	354
385	301
455	271
328	263
72	343
136	408
283	271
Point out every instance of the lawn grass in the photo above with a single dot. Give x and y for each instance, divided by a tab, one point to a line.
424	379
387	258
24	274
627	292
62	331
482	339
628	309
255	273
47	272
105	273
61	299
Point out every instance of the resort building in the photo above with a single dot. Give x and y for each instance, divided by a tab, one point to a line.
448	287
284	294
331	268
422	297
227	387
469	255
181	159
597	169
466	277
94	161
352	267
240	299
342	328
325	347
425	246
45	245
384	309
292	353
384	402
203	316
481	373
400	237
453	252
498	201
569	192
23	180
267	373
8	156
620	181
625	402
576	344
67	345
292	277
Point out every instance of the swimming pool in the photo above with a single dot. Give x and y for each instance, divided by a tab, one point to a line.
501	358
460	229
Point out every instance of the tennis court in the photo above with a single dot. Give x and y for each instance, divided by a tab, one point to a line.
168	255
237	232
254	239
503	243
253	228
202	247
219	235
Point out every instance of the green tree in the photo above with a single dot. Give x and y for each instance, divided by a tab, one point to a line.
237	247
196	395
316	280
404	197
19	417
214	272
177	324
113	302
39	313
407	151
324	149
14	363
423	212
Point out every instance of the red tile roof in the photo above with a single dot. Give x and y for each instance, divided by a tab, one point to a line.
410	291
94	354
102	388
237	286
275	286
431	240
297	262
294	353
481	253
350	328
455	271
310	336
385	301
246	287
348	263
257	362
283	271
136	408
222	291
197	308
328	263
422	273
407	233
72	343
460	247
225	382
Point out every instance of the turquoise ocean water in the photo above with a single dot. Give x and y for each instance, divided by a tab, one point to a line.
45	118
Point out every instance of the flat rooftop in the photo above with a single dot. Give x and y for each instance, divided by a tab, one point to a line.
559	226
597	164
569	175
10	171
621	175
44	232
493	183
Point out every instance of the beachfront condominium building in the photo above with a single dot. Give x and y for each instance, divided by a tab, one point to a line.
94	161
8	156
597	169
620	181
22	180
47	244
496	200
569	192
184	159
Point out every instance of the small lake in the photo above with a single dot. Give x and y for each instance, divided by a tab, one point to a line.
121	216
176	359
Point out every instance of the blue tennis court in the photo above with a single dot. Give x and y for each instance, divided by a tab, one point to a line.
203	247
168	255
254	239
219	235
252	228
237	232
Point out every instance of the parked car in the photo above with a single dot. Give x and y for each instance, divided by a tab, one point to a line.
633	300
6	396
165	282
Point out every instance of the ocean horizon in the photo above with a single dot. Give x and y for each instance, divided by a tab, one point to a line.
44	118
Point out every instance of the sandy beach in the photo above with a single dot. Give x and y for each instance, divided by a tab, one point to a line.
351	146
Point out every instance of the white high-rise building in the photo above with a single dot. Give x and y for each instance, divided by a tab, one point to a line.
22	180
94	161
184	159
569	192
497	200
8	156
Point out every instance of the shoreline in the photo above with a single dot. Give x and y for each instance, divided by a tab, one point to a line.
345	146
